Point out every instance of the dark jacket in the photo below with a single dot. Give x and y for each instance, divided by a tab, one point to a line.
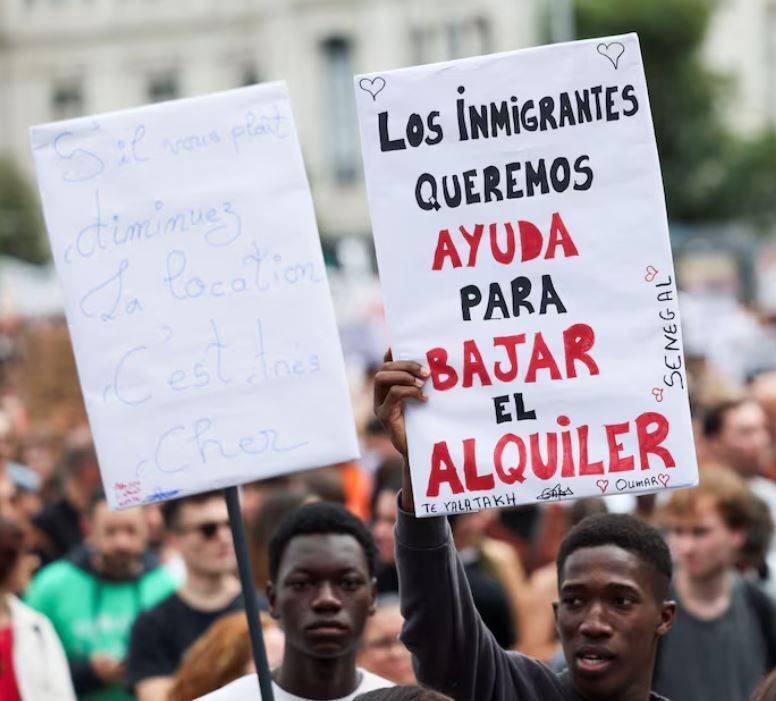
453	651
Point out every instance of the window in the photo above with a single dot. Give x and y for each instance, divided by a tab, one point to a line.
162	86
341	128
67	99
455	39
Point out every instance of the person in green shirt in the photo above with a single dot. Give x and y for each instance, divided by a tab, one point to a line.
94	595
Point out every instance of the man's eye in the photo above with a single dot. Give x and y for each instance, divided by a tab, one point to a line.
623	601
299	584
572	601
350	584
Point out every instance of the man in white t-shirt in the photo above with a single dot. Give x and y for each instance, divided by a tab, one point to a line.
321	590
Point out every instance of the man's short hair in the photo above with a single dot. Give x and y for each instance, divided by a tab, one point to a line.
625	532
714	418
402	693
171	509
726	490
320	518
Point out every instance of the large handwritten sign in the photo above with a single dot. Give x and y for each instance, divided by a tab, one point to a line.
185	240
523	249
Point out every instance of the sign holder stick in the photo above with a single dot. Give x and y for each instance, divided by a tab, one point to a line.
249	593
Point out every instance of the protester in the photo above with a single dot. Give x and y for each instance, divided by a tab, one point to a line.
737	437
382	652
613	576
382	526
161	635
490	597
33	666
402	693
723	641
59	526
94	596
321	563
222	655
541	636
276	504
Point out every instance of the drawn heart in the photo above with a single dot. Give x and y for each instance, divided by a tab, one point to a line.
663	477
657	394
603	485
372	85
612	51
651	273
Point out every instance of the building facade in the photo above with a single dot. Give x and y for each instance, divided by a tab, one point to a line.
66	58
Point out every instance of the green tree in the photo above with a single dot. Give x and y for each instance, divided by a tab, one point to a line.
694	145
21	226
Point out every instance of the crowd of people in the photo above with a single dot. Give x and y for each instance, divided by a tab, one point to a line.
624	598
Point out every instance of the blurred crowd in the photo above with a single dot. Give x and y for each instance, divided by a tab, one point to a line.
145	603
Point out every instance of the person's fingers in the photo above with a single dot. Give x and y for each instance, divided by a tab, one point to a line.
396	396
386	380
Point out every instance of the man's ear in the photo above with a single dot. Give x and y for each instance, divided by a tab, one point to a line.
739	536
272	600
667	617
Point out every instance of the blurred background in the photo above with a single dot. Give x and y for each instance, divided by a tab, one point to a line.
711	70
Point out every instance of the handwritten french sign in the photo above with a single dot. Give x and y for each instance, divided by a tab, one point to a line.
185	240
523	248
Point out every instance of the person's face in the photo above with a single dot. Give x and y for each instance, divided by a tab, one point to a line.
701	543
382	653
204	537
609	619
119	539
383	525
743	444
323	594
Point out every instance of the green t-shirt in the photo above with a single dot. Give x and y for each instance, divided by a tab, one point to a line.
93	615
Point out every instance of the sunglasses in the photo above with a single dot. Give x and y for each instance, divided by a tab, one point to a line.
208	529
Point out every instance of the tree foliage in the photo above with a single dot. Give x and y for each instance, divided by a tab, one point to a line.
21	226
708	172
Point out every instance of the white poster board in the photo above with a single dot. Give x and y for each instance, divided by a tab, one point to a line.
522	242
185	241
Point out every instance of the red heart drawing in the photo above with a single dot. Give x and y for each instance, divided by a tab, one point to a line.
603	485
663	477
657	393
651	273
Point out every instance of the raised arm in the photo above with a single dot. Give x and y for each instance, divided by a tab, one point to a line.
453	650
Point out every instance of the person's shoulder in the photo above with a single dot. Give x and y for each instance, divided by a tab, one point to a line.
370	682
24	615
58	573
163	613
243	688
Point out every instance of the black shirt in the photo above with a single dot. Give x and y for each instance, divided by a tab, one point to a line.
163	633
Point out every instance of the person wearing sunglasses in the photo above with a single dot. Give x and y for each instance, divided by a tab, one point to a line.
199	529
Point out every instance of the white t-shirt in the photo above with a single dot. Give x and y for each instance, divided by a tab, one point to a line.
247	689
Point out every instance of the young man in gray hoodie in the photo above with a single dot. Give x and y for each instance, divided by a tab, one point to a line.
613	578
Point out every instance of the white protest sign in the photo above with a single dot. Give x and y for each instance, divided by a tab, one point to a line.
523	249
185	240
